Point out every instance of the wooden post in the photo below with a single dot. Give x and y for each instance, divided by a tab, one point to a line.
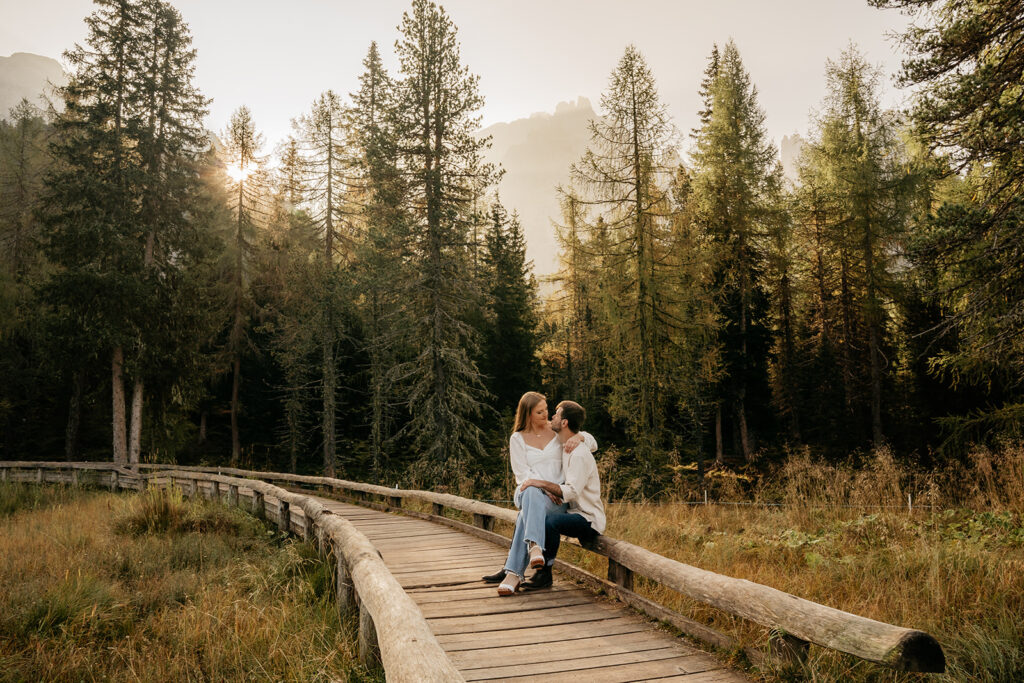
369	649
113	480
438	509
346	591
39	475
3	474
485	522
284	517
257	504
788	650
233	495
395	501
74	476
215	490
622	576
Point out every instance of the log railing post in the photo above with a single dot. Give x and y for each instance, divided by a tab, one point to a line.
788	650
215	491
39	475
3	474
485	522
284	516
258	508
113	480
395	501
74	476
346	591
233	495
438	509
369	648
622	576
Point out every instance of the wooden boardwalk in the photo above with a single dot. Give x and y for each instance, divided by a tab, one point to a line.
564	633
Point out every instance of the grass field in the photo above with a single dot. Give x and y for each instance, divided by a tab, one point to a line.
99	586
955	570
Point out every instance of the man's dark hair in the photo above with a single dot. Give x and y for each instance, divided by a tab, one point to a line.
573	413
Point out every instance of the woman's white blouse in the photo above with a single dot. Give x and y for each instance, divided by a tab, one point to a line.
529	462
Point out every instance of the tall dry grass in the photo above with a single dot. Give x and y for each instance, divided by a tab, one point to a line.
99	586
843	536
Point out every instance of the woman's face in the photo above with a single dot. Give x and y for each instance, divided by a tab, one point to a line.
539	416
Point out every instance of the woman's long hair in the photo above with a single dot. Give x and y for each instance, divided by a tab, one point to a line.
527	403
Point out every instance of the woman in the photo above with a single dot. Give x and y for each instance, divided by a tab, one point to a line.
535	453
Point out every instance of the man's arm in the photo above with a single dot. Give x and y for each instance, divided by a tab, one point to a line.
549	487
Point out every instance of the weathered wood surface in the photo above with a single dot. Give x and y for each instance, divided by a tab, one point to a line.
799	619
560	632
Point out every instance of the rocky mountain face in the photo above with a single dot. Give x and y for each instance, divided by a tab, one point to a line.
536	153
790	149
24	75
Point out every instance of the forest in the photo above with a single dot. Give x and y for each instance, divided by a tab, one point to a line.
357	302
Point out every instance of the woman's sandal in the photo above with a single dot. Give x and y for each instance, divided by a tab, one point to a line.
510	585
536	556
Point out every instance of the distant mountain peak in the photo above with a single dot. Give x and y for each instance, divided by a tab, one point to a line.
24	75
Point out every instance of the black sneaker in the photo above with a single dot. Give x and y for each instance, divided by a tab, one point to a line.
540	579
494	578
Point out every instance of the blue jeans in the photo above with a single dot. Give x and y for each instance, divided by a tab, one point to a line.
561	523
530	525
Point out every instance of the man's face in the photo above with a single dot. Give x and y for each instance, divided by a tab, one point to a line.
556	421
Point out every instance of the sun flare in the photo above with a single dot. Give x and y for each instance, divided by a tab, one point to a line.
237	173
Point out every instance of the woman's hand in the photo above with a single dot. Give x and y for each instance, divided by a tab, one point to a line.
572	443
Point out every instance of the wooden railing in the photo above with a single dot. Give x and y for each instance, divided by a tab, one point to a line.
793	622
391	626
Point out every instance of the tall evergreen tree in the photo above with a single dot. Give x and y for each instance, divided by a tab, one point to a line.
966	66
510	335
734	172
435	117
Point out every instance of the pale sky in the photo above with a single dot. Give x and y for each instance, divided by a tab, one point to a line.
276	56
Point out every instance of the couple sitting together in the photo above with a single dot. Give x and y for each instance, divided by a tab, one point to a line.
558	492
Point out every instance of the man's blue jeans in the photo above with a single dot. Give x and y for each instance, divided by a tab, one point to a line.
535	509
560	523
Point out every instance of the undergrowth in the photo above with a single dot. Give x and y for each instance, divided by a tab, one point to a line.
154	587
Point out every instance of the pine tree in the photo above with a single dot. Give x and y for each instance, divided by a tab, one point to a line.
435	117
510	335
733	175
23	163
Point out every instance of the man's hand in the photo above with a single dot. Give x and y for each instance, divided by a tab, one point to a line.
572	442
552	491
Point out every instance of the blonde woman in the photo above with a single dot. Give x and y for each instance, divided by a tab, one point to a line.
535	453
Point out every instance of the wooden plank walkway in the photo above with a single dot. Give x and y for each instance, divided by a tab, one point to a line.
558	634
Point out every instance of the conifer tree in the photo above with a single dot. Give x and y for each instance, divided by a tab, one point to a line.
323	136
435	117
734	167
966	68
245	167
510	336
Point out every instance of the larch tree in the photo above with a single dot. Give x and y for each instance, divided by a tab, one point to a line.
322	133
247	191
966	66
436	105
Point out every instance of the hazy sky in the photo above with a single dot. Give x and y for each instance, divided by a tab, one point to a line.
277	55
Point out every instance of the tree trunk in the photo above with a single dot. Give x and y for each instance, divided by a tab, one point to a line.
330	388
120	445
236	446
135	427
719	454
74	416
202	428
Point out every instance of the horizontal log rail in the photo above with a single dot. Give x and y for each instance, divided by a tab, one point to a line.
793	621
391	626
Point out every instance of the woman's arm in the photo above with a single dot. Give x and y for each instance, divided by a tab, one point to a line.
581	437
517	455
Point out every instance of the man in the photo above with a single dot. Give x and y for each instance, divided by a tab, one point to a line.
583	518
